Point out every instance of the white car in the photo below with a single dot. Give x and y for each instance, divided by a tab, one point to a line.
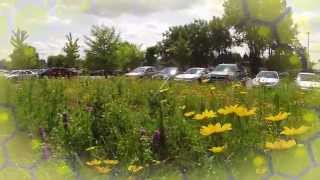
308	81
266	78
145	71
191	74
21	75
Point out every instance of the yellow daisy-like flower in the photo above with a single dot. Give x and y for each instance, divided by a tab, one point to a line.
214	129
243	111
111	162
294	131
213	88
217	150
102	170
205	115
279	117
134	168
243	92
94	162
280	145
227	110
189	114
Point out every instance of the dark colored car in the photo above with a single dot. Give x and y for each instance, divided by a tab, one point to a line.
59	72
233	72
105	73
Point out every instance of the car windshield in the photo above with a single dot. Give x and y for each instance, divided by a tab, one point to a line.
169	70
139	70
194	71
309	77
226	68
267	75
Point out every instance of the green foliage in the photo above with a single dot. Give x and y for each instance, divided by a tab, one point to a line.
71	50
128	56
195	44
24	57
56	61
103	43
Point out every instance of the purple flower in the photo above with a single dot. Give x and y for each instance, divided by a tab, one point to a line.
43	134
156	139
45	151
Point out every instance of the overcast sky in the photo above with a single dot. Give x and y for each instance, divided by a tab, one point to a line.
139	21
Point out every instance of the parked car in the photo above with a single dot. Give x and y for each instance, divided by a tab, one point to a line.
105	73
144	71
20	74
227	72
167	73
266	78
58	72
308	81
191	74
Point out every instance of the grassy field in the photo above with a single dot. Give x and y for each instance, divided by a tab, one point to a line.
135	126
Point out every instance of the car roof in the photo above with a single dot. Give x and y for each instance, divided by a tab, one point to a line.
268	72
304	73
197	68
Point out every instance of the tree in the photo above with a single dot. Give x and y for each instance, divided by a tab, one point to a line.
151	55
23	56
263	25
71	50
103	44
56	61
18	38
128	56
196	44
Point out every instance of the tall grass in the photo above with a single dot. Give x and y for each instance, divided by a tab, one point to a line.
136	122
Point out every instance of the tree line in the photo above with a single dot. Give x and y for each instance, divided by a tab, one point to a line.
200	43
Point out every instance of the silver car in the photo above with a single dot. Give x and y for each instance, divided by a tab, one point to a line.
144	71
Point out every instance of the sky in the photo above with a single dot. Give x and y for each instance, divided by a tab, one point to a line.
139	21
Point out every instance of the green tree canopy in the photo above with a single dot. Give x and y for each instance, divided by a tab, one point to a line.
102	47
128	56
72	51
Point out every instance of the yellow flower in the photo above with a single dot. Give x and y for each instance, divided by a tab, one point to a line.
279	117
205	115
94	162
227	110
261	170
243	111
111	162
213	88
155	162
205	80
102	170
189	114
134	168
244	92
218	149
281	145
294	131
213	129
236	85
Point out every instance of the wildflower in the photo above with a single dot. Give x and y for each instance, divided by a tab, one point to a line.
294	131
212	129
94	162
205	80
205	115
164	90
102	170
111	162
91	148
227	110
156	140
243	111
134	168
279	117
243	92
218	149
236	85
213	88
155	162
189	114
261	170
281	145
